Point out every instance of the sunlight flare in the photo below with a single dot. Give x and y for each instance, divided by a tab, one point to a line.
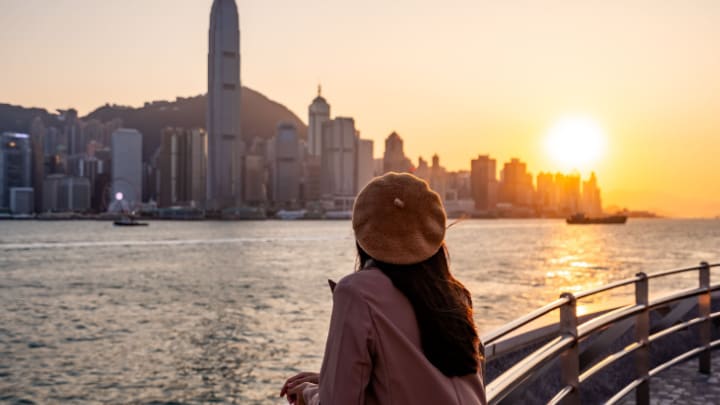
576	143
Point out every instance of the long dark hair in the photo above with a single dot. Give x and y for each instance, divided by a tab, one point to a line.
443	309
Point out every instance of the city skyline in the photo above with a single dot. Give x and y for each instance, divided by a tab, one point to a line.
647	78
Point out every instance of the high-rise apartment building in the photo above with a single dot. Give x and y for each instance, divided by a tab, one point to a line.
225	145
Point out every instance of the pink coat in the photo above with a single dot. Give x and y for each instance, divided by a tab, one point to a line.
373	353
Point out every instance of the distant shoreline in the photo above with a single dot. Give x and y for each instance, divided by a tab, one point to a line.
156	219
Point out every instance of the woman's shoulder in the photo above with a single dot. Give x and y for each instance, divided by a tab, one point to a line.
363	281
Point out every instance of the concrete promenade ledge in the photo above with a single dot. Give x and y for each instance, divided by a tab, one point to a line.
683	384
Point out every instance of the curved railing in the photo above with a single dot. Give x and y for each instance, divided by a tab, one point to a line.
564	345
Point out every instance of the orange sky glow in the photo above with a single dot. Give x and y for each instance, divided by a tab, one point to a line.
468	78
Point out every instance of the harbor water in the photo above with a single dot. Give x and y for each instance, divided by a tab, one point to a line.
196	312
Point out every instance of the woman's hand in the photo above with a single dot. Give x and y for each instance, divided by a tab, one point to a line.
293	382
299	393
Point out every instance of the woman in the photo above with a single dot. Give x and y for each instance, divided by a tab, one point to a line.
402	330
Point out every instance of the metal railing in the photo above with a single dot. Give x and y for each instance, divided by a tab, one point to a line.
563	346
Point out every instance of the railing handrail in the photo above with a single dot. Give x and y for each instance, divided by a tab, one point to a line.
564	344
607	287
524	320
517	323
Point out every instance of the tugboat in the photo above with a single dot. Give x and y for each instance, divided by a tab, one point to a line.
581	219
126	220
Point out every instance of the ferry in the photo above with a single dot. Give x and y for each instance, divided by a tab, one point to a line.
581	219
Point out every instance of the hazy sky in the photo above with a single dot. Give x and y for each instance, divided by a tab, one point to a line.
466	78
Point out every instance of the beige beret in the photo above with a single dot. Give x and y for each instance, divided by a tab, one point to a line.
398	219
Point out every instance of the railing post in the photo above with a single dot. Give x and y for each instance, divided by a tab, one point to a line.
642	332
705	327
570	358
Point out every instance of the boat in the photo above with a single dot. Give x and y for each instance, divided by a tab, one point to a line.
338	214
581	219
290	214
244	213
128	221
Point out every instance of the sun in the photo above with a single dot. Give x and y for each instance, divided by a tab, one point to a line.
576	143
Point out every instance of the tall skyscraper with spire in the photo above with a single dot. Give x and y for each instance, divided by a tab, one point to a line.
319	113
225	146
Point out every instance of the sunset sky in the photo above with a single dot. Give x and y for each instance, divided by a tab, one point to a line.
471	77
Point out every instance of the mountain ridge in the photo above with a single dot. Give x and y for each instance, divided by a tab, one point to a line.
259	117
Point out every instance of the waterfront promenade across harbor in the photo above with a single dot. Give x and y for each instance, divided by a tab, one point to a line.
614	355
224	312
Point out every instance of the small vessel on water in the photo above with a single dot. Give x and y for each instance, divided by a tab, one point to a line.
128	221
581	219
289	215
338	214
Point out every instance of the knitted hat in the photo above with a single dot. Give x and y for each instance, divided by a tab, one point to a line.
398	219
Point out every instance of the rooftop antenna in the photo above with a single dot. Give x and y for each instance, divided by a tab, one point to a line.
319	89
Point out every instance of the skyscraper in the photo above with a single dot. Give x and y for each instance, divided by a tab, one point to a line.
37	139
546	194
127	166
225	147
591	201
318	114
182	162
15	165
483	183
286	166
365	163
66	193
516	185
339	158
394	159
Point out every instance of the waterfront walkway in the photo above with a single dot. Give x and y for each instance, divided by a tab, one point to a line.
683	384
